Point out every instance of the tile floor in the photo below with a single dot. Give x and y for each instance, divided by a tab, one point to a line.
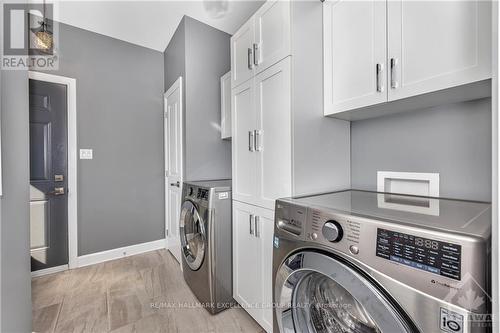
132	294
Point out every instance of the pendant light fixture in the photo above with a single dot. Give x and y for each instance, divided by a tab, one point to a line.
43	39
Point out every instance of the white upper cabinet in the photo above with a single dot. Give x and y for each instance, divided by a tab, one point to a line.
354	54
427	46
272	33
273	143
242	61
225	106
244	122
435	45
261	42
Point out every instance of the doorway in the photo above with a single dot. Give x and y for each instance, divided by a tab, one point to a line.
173	145
52	130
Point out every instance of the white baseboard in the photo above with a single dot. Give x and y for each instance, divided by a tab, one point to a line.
122	252
50	270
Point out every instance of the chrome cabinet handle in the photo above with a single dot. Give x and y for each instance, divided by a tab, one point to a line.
178	184
257	229
250	220
257	143
394	82
249	58
380	70
251	140
255	54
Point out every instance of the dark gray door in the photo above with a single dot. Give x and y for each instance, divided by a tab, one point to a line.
48	175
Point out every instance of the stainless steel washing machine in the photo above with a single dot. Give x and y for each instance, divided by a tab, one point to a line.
206	247
358	261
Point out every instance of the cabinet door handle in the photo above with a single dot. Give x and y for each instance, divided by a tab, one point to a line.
251	140
255	54
257	144
257	227
380	70
394	82
251	221
249	58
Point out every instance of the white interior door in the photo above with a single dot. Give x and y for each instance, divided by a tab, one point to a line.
173	166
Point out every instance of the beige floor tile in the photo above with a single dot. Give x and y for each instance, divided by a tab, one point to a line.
147	260
154	323
49	289
44	319
128	306
144	293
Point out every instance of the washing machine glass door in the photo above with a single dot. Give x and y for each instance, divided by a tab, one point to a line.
193	236
319	294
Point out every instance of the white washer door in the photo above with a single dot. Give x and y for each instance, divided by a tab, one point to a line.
319	294
193	235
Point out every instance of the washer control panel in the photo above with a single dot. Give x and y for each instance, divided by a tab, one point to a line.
422	253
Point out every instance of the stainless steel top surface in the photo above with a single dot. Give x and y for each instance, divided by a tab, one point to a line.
455	216
217	184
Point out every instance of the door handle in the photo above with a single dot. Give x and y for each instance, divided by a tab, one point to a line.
249	58
380	70
250	220
251	140
257	228
57	191
178	184
394	82
257	143
255	54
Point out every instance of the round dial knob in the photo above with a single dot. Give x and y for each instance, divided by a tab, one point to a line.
332	231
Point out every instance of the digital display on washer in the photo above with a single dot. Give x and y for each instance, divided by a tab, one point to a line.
422	253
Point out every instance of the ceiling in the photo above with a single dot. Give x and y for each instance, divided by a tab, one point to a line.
152	23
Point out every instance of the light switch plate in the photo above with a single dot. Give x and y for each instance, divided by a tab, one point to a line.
86	154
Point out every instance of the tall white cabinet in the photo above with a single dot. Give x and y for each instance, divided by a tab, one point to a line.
262	150
381	51
268	154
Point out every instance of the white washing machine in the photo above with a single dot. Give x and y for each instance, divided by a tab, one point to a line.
357	261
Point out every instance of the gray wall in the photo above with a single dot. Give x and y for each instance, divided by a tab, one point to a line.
321	147
201	55
175	56
119	114
453	140
15	274
207	59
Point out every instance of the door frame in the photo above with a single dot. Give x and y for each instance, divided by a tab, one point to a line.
70	84
176	85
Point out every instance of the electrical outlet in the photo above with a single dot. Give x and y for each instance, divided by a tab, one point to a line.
86	154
